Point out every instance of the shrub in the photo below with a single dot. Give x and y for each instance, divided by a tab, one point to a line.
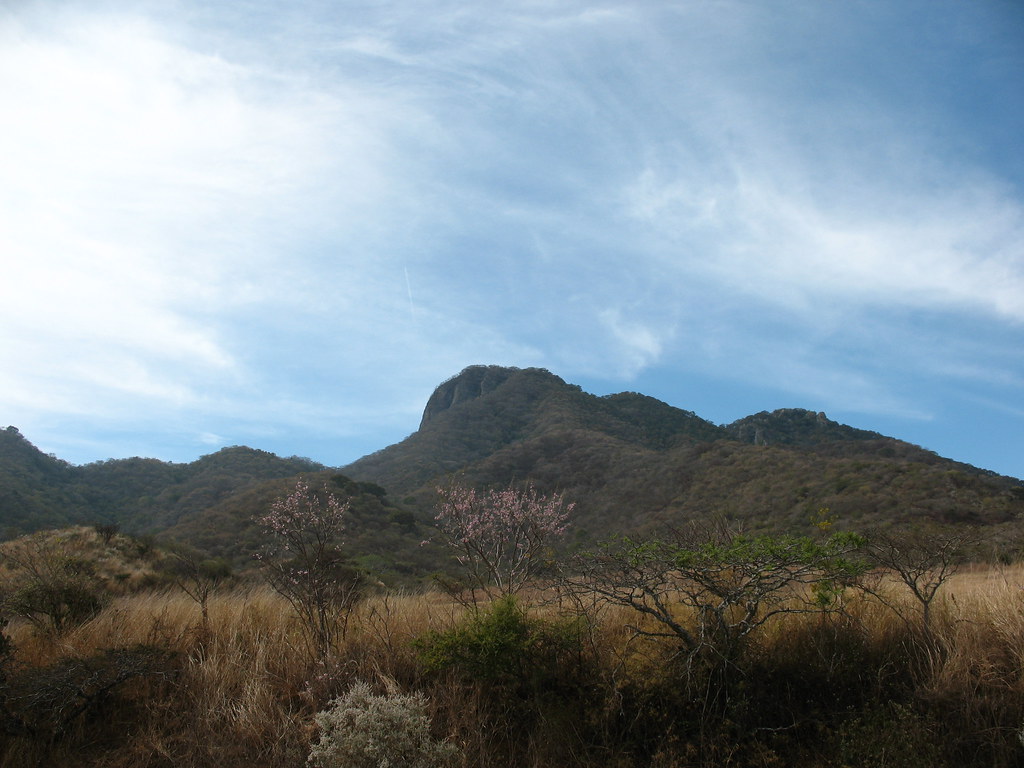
50	585
890	735
362	730
499	644
517	682
43	703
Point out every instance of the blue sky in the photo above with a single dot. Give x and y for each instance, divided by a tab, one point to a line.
283	224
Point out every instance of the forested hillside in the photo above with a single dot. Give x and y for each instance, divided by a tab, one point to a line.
632	462
628	462
141	495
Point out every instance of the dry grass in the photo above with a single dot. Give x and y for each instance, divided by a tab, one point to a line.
811	690
121	564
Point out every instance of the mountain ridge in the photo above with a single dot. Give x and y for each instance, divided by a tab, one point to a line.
630	457
628	461
139	493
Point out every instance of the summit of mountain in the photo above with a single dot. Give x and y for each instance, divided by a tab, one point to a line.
485	409
794	427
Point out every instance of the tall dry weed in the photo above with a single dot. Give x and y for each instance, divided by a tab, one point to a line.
817	690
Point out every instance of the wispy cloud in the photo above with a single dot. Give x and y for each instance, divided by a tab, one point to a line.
285	217
154	197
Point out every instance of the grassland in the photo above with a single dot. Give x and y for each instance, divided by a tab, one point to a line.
144	683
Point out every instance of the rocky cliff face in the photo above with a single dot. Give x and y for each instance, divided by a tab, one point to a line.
470	384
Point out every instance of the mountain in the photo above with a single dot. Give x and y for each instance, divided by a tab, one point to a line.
141	495
629	462
632	462
794	427
29	480
209	503
486	410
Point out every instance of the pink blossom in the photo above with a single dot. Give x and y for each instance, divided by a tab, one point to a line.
302	556
501	536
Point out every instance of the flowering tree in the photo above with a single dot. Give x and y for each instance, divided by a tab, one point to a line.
500	536
304	563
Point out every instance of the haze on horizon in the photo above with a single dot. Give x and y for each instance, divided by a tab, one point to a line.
282	225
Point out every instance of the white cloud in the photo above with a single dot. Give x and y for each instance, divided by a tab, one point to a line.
632	345
153	188
770	233
219	211
933	255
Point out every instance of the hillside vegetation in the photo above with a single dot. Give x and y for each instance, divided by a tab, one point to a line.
626	585
630	463
140	495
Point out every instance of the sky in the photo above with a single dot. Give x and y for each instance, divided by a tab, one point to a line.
282	225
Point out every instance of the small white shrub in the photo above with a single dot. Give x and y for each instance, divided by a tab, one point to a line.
361	730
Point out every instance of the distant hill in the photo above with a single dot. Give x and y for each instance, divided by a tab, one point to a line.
629	462
381	538
141	495
209	503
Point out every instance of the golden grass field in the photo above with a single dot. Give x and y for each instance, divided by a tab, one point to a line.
859	689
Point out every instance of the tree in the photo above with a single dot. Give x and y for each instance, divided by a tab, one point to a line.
107	531
197	577
500	537
707	589
303	561
730	582
921	560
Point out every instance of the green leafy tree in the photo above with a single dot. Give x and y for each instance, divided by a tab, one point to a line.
707	590
727	584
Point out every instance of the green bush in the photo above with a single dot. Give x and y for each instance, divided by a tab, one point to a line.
500	644
524	681
57	605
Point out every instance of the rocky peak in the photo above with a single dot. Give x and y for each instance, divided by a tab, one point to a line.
793	426
471	383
